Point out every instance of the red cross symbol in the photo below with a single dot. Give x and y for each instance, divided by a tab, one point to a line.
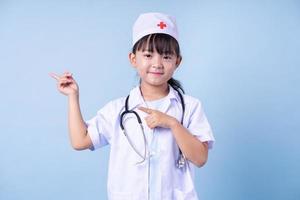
162	25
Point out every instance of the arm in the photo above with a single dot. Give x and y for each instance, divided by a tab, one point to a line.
193	149
79	137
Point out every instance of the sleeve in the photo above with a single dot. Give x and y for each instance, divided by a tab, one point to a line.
199	126
99	128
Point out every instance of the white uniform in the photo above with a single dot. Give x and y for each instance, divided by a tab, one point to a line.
157	177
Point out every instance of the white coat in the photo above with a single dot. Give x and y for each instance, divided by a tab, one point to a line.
157	177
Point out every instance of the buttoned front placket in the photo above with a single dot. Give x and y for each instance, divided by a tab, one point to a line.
153	161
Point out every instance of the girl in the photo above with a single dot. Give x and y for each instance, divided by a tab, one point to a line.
157	134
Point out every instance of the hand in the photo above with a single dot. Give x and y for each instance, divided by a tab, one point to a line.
157	118
66	84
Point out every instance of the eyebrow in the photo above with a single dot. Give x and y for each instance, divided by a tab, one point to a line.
147	50
169	53
163	53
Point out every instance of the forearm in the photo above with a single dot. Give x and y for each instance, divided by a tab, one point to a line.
191	147
77	127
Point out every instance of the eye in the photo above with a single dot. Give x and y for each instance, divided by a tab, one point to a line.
147	55
168	57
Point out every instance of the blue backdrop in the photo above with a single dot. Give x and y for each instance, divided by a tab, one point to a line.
241	58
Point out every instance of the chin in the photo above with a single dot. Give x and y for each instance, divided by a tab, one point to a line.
156	83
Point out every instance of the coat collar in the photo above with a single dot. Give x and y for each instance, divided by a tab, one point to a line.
136	99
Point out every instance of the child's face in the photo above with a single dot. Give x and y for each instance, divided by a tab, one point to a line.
154	69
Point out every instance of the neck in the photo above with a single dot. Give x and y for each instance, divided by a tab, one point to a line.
151	93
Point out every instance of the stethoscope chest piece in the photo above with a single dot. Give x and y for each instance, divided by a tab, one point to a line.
181	161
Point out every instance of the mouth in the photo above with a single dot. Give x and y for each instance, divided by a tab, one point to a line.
156	73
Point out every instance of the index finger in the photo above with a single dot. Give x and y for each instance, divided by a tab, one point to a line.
55	76
146	110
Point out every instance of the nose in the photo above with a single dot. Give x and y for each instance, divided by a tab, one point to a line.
157	62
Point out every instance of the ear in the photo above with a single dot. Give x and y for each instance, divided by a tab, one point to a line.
132	59
178	61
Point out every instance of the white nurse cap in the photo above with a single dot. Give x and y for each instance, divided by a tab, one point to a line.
149	23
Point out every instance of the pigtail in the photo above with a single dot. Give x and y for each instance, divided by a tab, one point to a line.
176	85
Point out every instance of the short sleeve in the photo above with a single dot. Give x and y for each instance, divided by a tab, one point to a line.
198	124
99	128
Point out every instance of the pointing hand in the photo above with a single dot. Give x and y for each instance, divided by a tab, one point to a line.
157	118
65	83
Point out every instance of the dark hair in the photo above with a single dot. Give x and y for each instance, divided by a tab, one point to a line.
163	44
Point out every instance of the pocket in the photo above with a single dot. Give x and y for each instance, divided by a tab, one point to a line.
178	195
119	196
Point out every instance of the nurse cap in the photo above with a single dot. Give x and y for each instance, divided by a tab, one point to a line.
149	23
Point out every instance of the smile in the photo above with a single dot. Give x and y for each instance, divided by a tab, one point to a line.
156	73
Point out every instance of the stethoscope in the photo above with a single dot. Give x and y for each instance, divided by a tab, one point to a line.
180	162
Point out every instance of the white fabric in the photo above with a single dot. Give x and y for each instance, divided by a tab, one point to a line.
149	23
159	174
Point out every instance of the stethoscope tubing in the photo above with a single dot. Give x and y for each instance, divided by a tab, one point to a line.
180	161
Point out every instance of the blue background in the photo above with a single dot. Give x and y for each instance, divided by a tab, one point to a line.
241	58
